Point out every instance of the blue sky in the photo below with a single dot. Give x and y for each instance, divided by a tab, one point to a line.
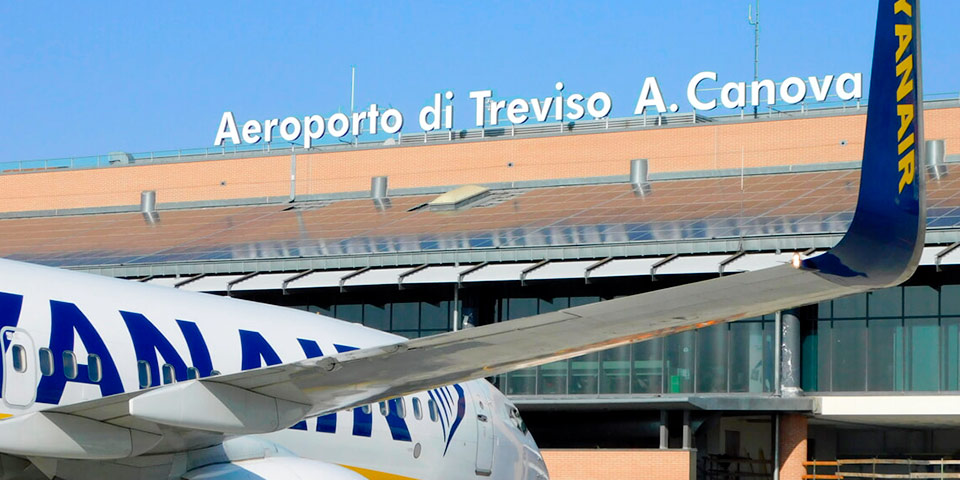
84	78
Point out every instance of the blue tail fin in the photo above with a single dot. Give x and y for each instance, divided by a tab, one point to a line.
885	239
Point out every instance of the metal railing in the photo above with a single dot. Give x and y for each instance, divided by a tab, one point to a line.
878	468
448	136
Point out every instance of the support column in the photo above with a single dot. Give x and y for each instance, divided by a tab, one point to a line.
793	446
664	431
687	433
790	354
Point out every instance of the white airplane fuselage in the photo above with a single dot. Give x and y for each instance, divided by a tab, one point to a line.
71	337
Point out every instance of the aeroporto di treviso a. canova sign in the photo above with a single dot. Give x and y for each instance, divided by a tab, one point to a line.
559	107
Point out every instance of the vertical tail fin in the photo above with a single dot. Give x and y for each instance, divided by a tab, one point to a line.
885	239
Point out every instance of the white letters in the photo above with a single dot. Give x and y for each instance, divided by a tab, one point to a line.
820	91
312	133
431	110
228	129
841	86
481	96
650	87
516	110
592	105
251	131
793	99
576	110
391	121
692	91
285	131
727	101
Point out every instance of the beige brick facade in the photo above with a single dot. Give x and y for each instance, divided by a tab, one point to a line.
627	464
685	148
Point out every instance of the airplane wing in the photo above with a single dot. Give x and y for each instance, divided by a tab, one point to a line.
881	248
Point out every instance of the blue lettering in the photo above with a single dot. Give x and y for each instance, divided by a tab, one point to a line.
310	348
362	422
398	427
199	353
327	423
67	321
344	348
148	341
253	348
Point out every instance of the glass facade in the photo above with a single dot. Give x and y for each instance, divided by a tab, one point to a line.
897	339
734	357
410	319
894	340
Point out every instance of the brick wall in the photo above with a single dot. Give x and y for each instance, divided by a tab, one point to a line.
685	148
793	446
593	464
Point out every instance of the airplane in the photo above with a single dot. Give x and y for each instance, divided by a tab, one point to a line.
107	378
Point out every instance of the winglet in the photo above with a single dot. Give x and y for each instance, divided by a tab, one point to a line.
885	239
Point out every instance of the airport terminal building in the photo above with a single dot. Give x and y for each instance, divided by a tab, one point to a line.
425	233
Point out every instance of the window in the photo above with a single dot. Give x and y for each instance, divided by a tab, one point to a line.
94	368
69	365
432	406
401	407
214	373
143	371
417	413
385	408
193	373
365	409
46	362
19	358
169	374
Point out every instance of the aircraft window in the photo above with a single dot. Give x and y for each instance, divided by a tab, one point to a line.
46	362
214	373
417	413
517	421
432	406
365	409
19	358
401	408
94	368
384	409
69	365
169	375
192	373
143	370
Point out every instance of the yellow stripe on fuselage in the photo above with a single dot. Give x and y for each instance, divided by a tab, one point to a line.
375	475
4	416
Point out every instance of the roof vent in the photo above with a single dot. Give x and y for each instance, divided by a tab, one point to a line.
936	153
459	197
119	158
148	206
639	177
378	192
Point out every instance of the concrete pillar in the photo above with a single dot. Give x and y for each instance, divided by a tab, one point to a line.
793	446
687	432
790	354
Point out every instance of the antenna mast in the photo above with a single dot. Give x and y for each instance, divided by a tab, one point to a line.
756	46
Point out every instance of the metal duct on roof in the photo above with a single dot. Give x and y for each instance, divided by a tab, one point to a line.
639	176
935	159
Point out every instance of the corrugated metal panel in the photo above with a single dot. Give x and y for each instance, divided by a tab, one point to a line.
554	270
757	261
442	274
625	267
212	283
498	272
382	276
266	281
166	281
319	279
693	264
